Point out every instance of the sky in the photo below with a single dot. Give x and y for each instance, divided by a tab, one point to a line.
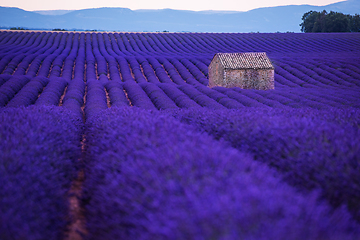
195	5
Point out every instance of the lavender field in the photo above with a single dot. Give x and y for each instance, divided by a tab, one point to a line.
166	157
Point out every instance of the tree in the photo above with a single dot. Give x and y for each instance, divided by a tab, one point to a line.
17	28
320	22
329	22
309	20
336	22
355	23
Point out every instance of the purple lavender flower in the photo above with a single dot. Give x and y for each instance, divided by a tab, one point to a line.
39	159
151	177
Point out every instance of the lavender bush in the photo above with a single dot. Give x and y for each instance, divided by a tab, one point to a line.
39	159
311	148
11	87
150	177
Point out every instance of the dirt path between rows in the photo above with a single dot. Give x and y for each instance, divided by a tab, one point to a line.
77	227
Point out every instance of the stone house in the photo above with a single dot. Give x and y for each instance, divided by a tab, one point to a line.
250	70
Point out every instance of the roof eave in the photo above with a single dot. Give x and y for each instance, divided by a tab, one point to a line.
227	68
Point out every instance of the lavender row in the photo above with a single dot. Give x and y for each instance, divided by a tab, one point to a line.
29	93
282	97
158	97
22	91
107	55
162	96
175	42
313	149
34	43
200	43
52	56
11	86
145	95
151	177
348	76
95	98
39	153
116	94
74	96
108	50
53	92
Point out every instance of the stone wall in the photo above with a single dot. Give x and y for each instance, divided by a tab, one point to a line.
216	73
261	79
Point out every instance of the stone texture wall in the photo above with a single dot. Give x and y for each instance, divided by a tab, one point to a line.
216	73
260	79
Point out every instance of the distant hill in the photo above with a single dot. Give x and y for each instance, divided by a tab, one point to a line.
53	12
270	19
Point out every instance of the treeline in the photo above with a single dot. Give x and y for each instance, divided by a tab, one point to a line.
17	28
330	22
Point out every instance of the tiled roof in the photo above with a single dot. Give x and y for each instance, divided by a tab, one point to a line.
248	60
